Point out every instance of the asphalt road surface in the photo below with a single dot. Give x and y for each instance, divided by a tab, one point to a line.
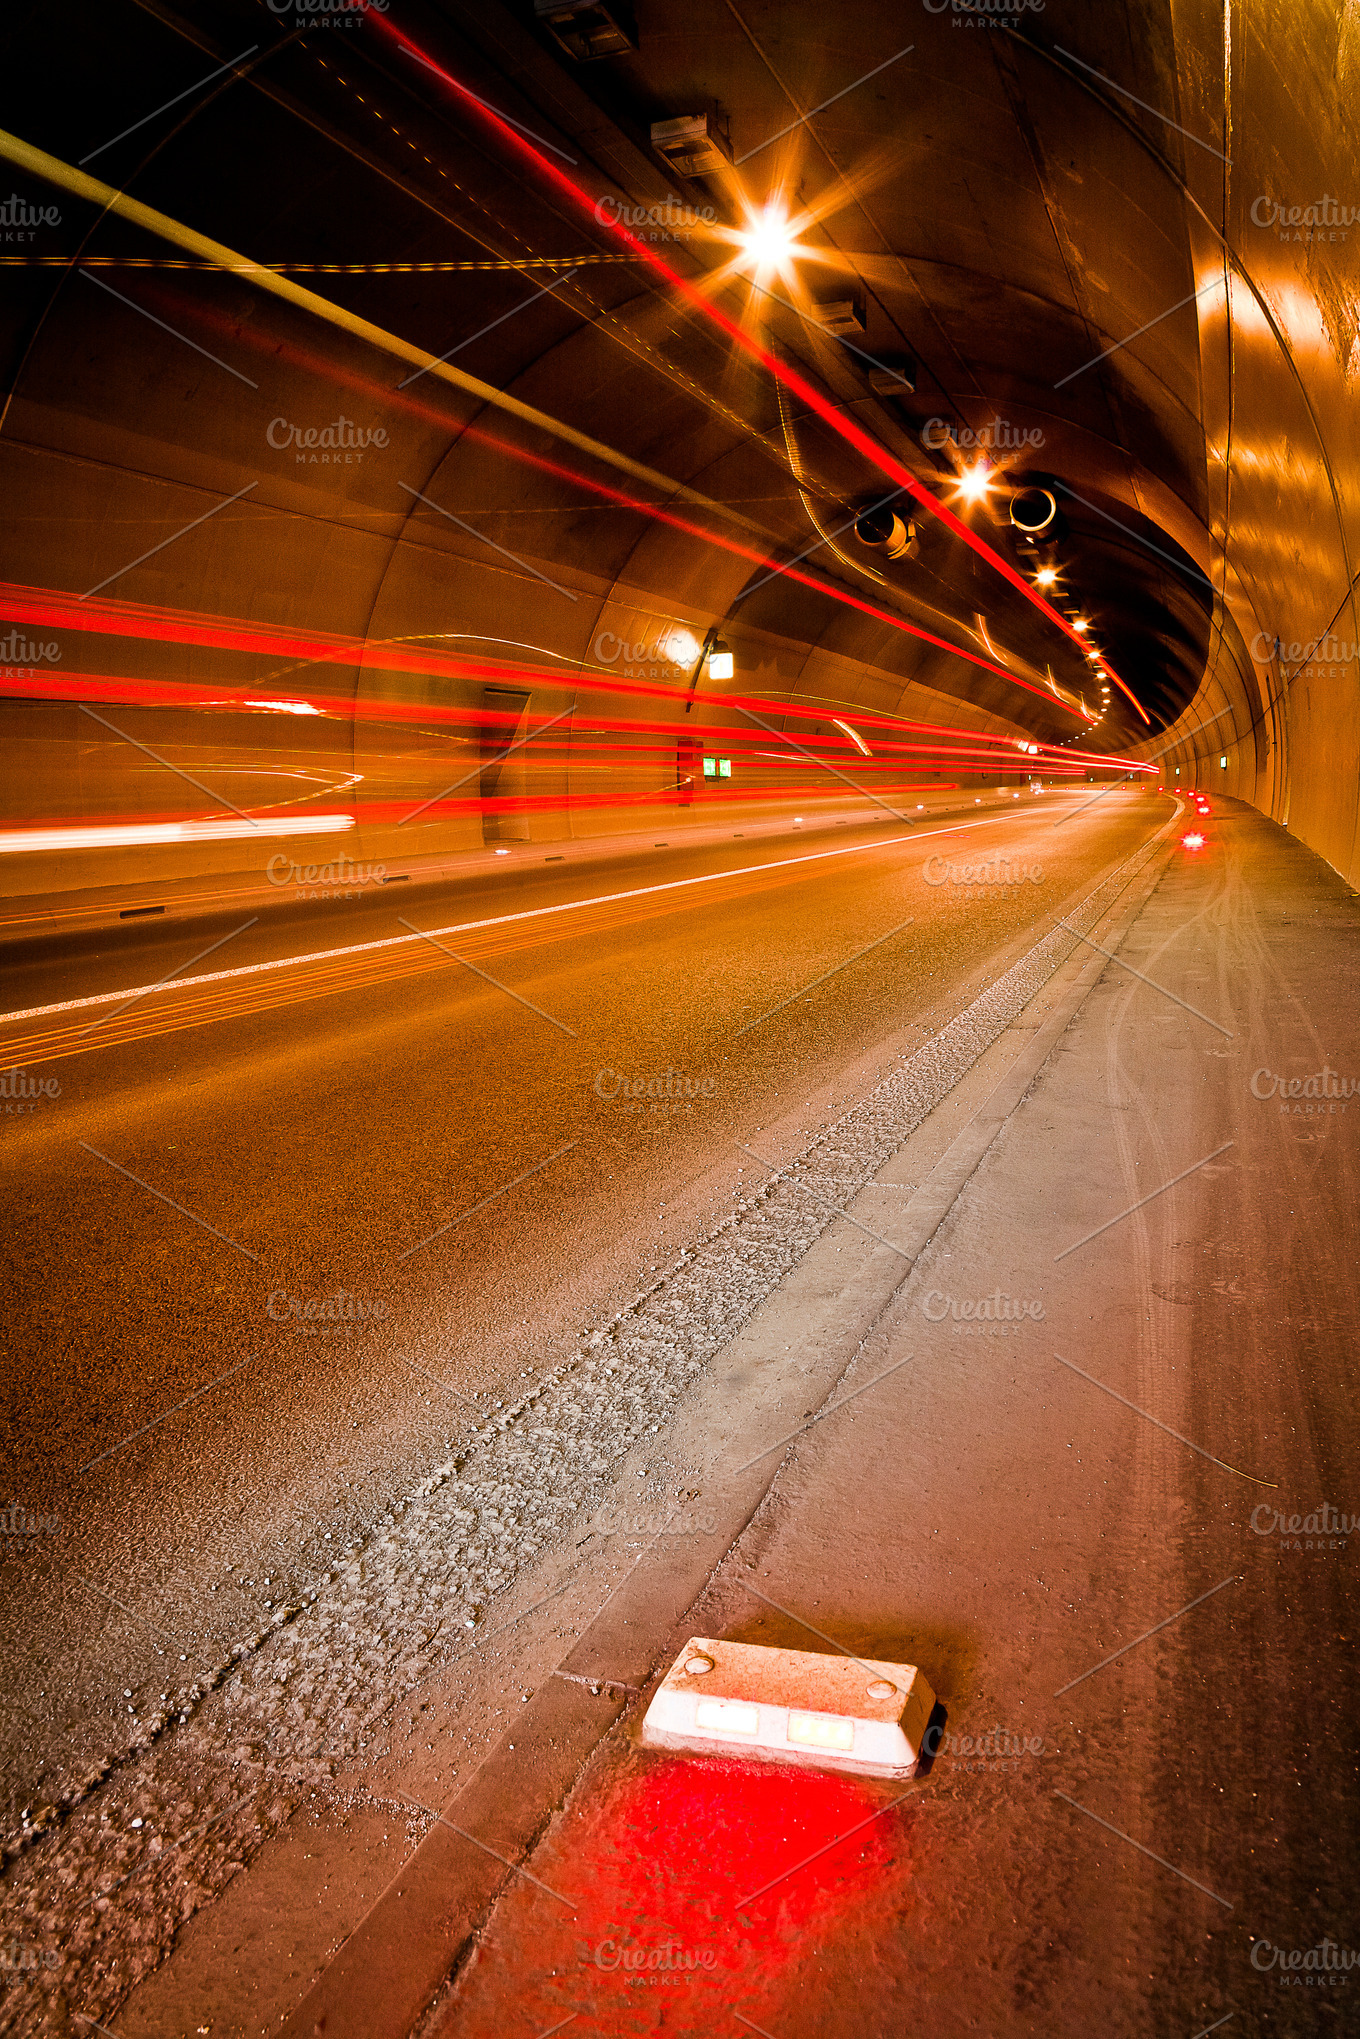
449	1146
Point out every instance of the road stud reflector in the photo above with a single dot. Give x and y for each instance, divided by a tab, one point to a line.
791	1706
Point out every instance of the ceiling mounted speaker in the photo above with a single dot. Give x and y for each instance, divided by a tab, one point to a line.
1035	512
894	375
694	145
589	29
842	316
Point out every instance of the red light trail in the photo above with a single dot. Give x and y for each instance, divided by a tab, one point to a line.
962	749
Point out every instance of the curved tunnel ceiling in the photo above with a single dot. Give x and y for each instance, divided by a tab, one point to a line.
1005	261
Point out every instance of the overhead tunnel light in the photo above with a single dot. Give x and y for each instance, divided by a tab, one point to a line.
588	29
974	482
842	316
767	238
893	374
790	1706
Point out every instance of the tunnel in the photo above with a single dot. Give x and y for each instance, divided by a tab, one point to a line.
678	886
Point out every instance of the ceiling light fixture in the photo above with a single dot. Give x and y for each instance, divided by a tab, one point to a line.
768	238
974	482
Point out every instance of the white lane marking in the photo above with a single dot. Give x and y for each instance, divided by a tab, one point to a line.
497	920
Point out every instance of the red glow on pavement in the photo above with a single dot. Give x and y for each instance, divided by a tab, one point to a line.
724	1830
663	1875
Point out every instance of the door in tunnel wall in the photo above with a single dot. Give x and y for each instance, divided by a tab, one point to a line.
504	778
688	765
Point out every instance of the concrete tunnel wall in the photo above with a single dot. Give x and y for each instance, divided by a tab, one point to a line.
1279	354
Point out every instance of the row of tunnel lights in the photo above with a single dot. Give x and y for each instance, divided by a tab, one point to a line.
769	241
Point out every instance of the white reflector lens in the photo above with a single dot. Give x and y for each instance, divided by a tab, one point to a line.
727	1716
815	1731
